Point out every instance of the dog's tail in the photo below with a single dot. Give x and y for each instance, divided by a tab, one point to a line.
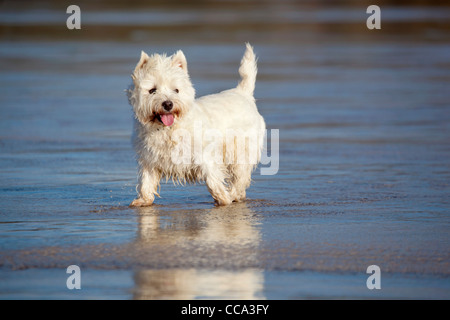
248	71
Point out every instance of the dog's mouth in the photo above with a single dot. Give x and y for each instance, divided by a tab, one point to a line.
166	119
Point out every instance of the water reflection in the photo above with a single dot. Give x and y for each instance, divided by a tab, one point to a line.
221	252
188	284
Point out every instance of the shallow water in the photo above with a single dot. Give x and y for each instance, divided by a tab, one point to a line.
363	179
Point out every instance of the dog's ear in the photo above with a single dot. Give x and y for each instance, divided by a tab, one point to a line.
141	64
142	61
179	60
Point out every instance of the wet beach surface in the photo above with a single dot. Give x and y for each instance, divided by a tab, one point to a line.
363	118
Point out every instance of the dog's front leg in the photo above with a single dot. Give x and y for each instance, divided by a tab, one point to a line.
147	188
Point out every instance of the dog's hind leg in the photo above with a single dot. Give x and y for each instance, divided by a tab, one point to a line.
240	179
215	181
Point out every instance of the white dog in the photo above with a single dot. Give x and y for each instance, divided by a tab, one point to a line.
215	139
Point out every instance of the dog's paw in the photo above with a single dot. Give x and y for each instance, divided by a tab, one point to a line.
139	202
223	201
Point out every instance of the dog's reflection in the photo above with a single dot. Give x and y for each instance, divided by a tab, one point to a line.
210	253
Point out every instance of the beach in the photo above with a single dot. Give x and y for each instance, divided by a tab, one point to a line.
363	175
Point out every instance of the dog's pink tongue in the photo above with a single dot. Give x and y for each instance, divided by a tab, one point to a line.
167	119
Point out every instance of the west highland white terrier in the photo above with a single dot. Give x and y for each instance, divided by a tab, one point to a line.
216	139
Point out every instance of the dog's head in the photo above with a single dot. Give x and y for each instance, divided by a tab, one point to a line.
162	91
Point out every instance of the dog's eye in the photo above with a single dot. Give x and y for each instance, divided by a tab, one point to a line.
176	90
152	91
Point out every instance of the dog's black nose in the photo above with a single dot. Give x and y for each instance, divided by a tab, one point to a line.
167	105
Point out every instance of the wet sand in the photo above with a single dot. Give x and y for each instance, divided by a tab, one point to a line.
364	156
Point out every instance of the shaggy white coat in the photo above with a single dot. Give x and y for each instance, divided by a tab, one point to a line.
216	139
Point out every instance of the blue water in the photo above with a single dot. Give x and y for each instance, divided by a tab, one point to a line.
363	179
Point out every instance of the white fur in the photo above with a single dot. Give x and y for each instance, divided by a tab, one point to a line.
232	111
